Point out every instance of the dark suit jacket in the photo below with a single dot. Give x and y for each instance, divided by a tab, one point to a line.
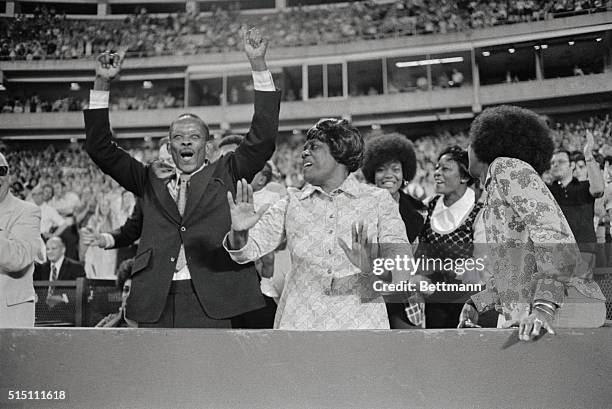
130	231
70	270
224	288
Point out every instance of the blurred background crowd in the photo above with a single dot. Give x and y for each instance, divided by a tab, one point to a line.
48	34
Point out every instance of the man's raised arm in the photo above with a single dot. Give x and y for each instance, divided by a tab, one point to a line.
260	142
111	159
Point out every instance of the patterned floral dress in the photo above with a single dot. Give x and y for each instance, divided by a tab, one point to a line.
532	251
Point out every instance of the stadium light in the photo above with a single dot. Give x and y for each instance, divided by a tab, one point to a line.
511	50
598	39
537	47
571	42
2	87
544	46
434	61
147	84
74	86
486	53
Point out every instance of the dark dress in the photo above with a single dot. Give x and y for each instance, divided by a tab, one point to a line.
410	209
442	309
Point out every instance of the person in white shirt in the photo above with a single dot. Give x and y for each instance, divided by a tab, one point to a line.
51	222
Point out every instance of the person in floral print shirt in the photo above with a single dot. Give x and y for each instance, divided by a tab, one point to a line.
539	280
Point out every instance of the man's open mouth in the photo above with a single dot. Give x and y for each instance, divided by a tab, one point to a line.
187	154
307	164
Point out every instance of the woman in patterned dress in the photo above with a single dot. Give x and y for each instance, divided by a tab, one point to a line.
448	236
331	283
539	280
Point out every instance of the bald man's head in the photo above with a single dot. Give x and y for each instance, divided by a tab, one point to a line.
55	249
4	177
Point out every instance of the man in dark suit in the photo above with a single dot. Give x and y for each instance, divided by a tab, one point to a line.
182	276
58	267
64	268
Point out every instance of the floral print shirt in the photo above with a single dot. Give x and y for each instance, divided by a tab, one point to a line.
532	253
324	290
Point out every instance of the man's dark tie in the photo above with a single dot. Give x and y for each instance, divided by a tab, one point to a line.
53	277
181	200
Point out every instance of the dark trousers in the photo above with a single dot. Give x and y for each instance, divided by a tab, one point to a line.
398	319
259	319
442	315
183	310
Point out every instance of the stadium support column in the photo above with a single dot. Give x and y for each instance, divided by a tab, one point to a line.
476	106
103	8
12	8
538	65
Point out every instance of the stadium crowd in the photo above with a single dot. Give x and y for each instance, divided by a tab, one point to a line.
50	35
73	167
120	102
77	199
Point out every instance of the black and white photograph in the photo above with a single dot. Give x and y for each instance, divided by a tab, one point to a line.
305	204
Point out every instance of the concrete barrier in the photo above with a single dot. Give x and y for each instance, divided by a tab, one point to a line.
123	368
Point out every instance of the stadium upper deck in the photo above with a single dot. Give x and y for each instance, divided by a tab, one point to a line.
554	65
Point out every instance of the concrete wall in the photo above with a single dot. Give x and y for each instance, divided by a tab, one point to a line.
108	368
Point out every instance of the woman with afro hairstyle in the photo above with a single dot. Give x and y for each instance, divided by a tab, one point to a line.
388	163
539	280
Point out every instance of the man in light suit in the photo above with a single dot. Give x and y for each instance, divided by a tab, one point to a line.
182	277
20	244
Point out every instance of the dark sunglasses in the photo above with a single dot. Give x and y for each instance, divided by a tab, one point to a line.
3	170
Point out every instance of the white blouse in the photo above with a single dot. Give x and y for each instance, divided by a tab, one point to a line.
445	219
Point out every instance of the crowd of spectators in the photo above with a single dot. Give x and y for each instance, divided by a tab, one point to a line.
49	35
73	167
84	199
118	102
35	103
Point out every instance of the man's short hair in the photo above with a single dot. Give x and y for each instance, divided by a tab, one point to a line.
344	140
577	156
189	115
562	150
57	239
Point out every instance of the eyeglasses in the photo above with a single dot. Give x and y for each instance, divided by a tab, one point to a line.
3	170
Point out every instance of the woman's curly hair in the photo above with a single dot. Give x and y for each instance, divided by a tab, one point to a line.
344	141
512	132
386	148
